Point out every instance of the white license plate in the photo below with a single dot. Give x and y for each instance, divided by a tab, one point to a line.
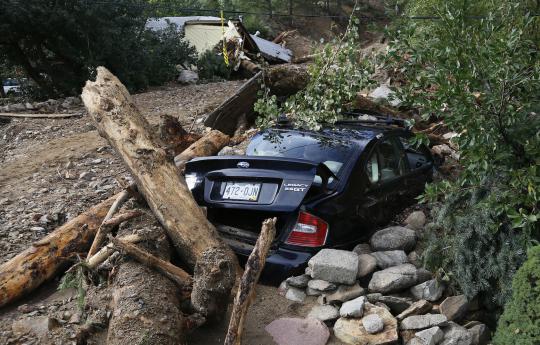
241	191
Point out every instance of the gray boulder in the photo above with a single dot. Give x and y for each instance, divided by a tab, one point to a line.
333	265
366	265
321	285
455	334
345	293
390	258
362	248
393	279
430	336
393	238
423	321
373	323
324	313
417	308
353	308
416	220
295	295
454	307
480	334
300	281
430	290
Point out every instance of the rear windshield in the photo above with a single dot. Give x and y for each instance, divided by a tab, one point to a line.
332	152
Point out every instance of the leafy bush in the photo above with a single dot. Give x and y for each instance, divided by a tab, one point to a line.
211	66
336	76
520	322
481	76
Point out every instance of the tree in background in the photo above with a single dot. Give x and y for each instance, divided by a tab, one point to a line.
478	69
60	43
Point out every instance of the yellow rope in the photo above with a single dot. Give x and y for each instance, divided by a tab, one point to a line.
225	54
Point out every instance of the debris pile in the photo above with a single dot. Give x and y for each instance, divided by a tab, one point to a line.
379	294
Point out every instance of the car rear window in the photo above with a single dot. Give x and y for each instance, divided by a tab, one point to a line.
332	152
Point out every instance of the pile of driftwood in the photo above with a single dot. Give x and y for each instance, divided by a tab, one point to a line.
208	269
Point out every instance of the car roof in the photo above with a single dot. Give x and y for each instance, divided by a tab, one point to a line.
361	135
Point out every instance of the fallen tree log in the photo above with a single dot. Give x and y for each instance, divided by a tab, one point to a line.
208	145
244	295
145	303
225	117
28	270
119	121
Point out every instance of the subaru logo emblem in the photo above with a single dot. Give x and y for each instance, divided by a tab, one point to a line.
243	165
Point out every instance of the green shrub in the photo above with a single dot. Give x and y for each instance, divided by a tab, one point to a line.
211	66
520	322
470	247
59	44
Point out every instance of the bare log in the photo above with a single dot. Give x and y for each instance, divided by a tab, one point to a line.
213	279
28	270
145	303
208	145
174	273
252	272
118	120
225	117
102	232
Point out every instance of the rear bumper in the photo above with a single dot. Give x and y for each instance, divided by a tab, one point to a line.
280	264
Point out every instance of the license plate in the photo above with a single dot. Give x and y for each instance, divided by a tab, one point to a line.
241	191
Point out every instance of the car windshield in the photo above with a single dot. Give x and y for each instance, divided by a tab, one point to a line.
332	152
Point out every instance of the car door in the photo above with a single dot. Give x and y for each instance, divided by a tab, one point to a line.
385	169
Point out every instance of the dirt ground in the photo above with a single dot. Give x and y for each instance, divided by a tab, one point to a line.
52	170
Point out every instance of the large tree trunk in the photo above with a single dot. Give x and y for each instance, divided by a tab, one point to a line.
120	122
145	304
157	178
28	270
226	116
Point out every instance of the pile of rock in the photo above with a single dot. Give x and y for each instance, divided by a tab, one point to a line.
379	294
49	106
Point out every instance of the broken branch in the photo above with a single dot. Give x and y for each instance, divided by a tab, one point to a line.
254	267
102	231
174	273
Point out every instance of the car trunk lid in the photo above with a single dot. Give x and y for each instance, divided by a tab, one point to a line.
257	183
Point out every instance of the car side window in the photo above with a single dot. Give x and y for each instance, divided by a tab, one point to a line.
389	160
372	168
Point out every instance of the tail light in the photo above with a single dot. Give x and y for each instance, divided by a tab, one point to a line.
309	231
